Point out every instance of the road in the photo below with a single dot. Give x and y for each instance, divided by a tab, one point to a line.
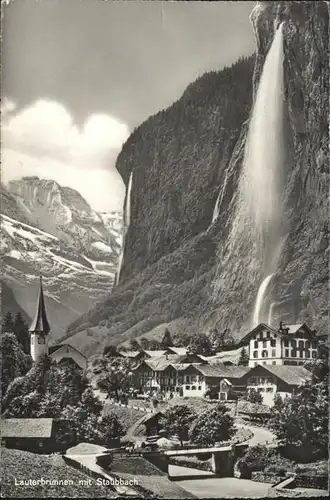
260	435
225	487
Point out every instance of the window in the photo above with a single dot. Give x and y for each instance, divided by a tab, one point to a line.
300	363
273	353
264	363
274	363
41	340
301	344
273	343
294	353
255	354
256	344
308	344
313	354
269	389
265	354
193	388
301	354
286	343
286	353
255	364
268	335
199	387
314	345
187	387
261	336
293	343
264	344
308	354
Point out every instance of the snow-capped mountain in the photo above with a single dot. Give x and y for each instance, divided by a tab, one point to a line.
52	231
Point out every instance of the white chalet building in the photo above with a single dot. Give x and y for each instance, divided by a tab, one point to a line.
287	345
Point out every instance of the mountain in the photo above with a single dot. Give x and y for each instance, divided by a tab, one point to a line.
51	230
178	270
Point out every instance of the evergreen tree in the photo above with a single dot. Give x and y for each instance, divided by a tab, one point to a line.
14	362
243	358
166	340
8	323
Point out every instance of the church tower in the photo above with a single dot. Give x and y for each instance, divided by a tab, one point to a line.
39	329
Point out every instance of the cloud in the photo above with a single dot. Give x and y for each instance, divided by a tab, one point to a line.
43	140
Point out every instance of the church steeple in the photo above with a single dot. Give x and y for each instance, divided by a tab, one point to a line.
39	329
40	323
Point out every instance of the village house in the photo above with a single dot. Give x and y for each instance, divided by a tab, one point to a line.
33	434
270	380
200	380
287	345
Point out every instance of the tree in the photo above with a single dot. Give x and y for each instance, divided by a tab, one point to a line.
110	428
8	323
211	426
255	459
278	402
254	396
200	344
166	340
116	378
177	420
301	422
14	361
243	358
110	351
21	331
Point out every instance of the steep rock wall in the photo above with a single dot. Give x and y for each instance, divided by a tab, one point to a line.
173	256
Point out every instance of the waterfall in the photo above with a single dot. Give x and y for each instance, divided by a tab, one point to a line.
260	184
127	220
260	297
127	213
270	313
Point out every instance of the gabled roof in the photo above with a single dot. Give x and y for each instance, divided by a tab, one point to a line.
292	375
178	350
151	416
292	329
224	356
26	427
255	330
52	349
221	370
40	322
154	354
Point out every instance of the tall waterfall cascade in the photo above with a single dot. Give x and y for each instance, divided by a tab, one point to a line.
260	298
261	183
257	226
127	221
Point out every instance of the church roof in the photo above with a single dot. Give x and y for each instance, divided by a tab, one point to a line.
40	322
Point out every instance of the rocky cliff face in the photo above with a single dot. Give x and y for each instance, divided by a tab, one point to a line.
51	231
184	156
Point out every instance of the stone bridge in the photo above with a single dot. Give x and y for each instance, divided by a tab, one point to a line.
224	457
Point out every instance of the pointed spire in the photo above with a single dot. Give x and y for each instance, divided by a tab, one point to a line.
40	322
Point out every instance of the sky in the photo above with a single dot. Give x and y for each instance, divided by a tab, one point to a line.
79	75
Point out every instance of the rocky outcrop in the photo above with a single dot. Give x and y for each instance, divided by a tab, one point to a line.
184	156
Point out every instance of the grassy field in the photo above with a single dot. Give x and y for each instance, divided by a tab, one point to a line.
24	466
148	476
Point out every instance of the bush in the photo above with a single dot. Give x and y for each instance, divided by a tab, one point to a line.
255	459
